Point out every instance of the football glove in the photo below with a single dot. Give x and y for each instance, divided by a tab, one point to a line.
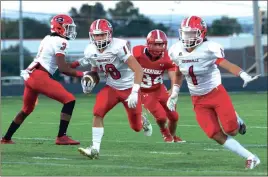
247	78
172	100
132	99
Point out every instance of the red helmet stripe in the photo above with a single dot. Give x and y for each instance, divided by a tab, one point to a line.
188	21
97	24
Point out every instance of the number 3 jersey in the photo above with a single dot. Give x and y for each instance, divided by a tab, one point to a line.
152	70
49	47
112	61
199	66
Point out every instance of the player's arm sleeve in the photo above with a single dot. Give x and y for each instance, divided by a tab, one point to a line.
217	53
60	47
124	52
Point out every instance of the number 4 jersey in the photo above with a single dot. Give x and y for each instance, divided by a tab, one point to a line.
112	61
199	66
152	70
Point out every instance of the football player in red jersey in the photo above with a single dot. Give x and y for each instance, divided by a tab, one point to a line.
37	78
155	61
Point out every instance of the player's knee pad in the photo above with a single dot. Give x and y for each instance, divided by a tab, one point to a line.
68	108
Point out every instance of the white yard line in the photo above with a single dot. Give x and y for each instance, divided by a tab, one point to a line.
50	158
104	166
159	142
168	153
125	123
212	149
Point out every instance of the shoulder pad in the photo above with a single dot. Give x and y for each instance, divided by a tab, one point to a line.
213	46
89	50
137	50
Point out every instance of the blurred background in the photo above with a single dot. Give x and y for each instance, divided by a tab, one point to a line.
240	26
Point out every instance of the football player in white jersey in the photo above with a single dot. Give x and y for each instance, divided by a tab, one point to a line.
37	80
123	78
197	59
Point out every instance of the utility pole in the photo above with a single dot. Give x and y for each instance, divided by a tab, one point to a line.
21	53
257	39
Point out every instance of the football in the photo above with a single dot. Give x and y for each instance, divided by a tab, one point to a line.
94	75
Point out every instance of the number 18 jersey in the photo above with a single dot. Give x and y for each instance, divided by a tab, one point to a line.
199	66
112	61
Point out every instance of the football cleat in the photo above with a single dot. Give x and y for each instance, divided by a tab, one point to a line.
252	162
66	140
5	141
147	126
178	139
167	136
242	129
89	152
242	126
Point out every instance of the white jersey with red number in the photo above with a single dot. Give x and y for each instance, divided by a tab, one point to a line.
112	61
199	66
48	48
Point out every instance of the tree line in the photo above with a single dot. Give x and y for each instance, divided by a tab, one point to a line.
126	19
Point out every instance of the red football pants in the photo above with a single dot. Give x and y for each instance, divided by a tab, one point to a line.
108	97
214	108
40	82
156	103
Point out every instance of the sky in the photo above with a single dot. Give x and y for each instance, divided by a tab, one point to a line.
209	8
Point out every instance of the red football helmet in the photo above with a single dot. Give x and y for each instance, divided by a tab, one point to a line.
193	30
64	26
156	42
98	27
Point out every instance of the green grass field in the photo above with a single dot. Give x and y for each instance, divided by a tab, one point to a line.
123	151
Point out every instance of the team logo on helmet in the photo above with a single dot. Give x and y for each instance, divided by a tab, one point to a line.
59	19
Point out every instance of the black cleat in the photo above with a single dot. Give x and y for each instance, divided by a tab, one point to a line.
242	129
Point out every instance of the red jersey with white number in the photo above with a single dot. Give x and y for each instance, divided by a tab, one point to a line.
112	61
199	66
152	70
49	47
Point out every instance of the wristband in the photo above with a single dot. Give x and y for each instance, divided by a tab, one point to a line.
176	89
244	75
79	74
136	87
75	64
